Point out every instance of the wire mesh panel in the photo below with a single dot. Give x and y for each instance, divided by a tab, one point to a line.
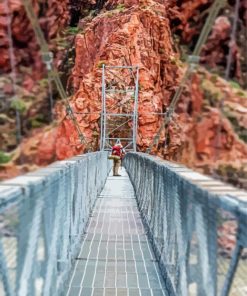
197	225
230	248
119	106
42	219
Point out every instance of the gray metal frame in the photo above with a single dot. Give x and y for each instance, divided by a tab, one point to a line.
45	214
184	213
112	122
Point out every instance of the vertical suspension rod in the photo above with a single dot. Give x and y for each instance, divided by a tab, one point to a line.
136	110
103	118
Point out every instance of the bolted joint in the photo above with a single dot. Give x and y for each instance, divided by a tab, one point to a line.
169	113
47	58
192	59
68	110
193	62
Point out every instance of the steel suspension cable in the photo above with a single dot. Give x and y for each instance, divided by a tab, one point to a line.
51	101
53	73
193	59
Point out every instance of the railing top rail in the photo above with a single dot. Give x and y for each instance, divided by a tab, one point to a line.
43	216
11	190
221	194
197	226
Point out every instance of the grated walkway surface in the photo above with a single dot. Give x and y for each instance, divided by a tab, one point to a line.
116	258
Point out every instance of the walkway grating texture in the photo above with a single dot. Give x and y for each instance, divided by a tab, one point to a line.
116	257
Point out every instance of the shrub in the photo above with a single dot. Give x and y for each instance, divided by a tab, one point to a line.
73	30
4	158
120	7
100	64
214	78
18	105
234	84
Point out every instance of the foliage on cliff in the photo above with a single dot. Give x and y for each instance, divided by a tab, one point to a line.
157	36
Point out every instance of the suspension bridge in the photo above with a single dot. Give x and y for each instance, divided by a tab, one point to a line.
159	229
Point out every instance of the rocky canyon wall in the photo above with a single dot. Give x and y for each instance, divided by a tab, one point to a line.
144	33
53	15
141	35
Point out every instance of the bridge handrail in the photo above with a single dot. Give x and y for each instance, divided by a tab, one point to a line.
42	219
188	216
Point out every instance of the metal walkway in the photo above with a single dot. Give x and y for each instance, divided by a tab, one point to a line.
61	235
115	257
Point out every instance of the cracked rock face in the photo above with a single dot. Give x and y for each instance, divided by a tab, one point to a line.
135	36
187	20
142	33
53	15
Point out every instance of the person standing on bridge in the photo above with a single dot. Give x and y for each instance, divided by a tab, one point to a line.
117	150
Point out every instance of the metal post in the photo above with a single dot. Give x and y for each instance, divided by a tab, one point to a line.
119	119
136	109
232	270
102	109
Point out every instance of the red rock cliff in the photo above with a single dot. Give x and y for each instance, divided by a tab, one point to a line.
141	33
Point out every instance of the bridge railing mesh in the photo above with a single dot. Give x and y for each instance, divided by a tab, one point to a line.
197	226
42	219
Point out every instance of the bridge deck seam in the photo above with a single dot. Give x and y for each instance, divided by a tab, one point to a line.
116	256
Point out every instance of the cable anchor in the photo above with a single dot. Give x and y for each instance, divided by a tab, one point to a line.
193	61
47	58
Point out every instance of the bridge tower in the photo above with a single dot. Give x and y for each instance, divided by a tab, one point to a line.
119	116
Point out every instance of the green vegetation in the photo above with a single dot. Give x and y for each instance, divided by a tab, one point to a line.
18	105
37	121
214	78
43	82
241	94
234	84
211	93
73	30
28	98
110	14
4	158
240	130
120	7
176	61
238	89
100	64
90	12
62	43
233	175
